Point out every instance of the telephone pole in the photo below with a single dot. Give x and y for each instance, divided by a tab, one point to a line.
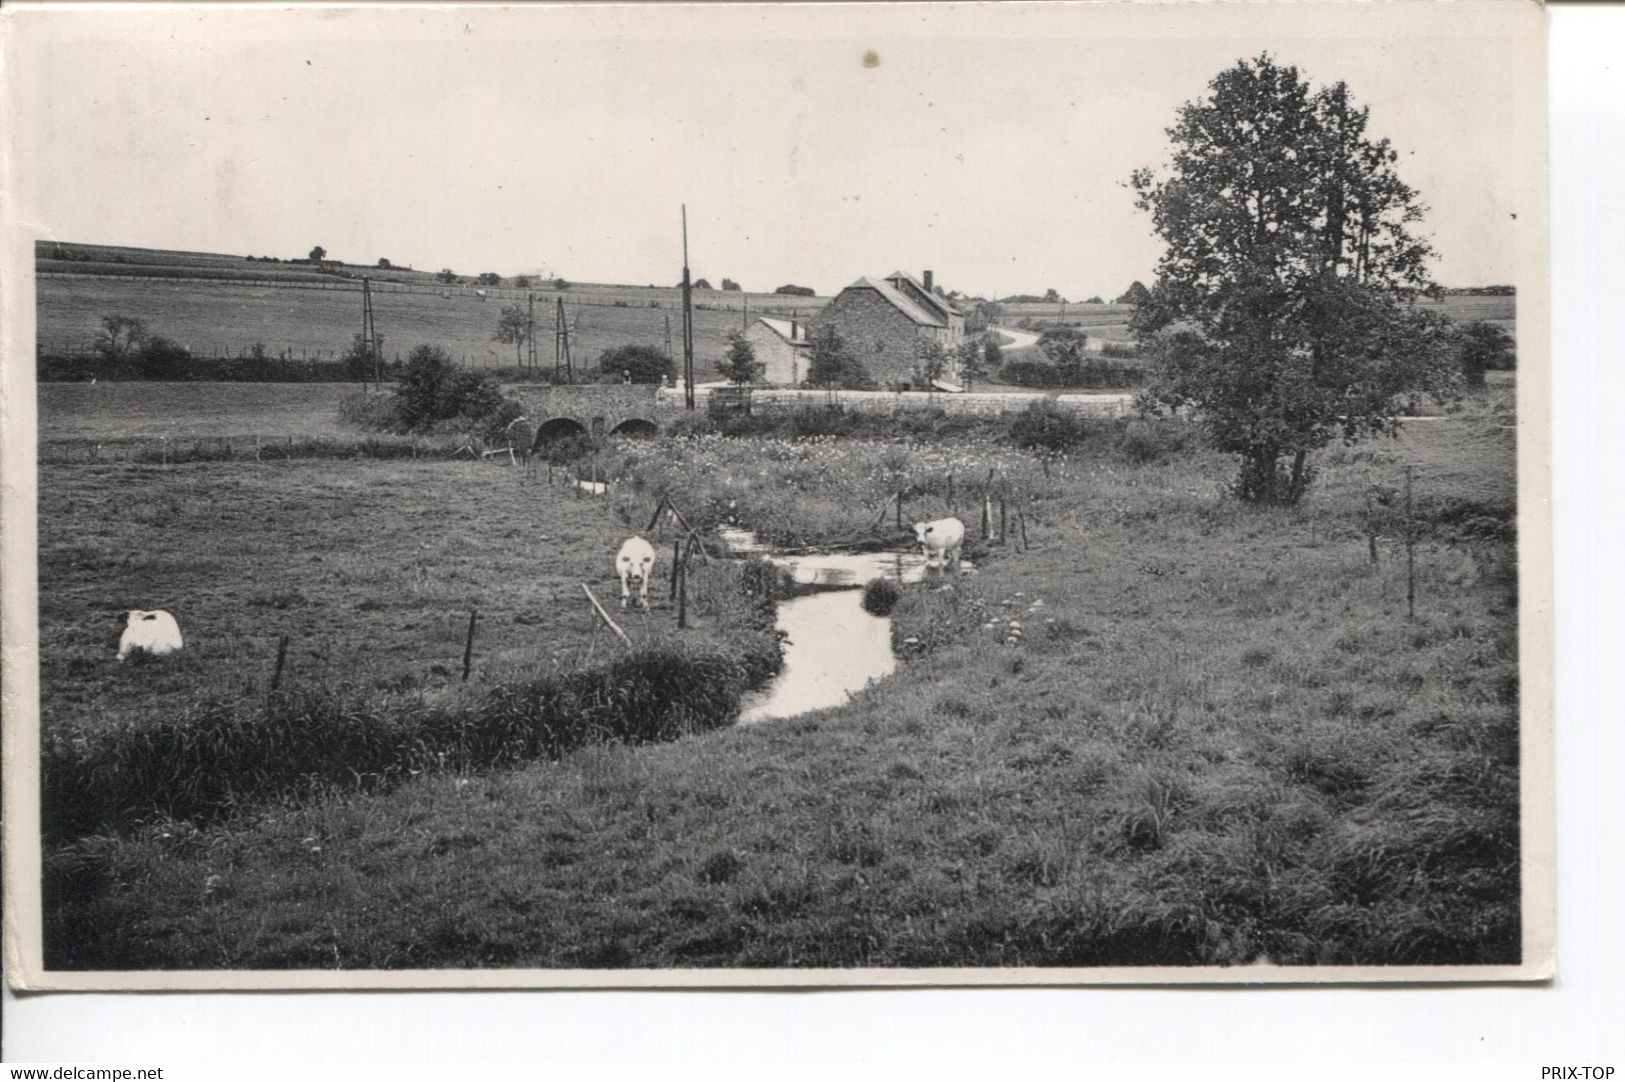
369	333
561	346
688	322
530	333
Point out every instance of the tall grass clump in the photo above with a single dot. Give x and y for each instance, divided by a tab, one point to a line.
213	757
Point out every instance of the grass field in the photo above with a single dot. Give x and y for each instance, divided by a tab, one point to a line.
216	319
1110	321
124	411
224	317
1218	739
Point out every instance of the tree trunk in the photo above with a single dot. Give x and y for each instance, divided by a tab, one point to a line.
1300	477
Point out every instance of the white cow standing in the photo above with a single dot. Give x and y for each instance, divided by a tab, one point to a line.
942	539
156	632
634	563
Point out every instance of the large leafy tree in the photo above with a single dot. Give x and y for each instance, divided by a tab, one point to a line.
1282	311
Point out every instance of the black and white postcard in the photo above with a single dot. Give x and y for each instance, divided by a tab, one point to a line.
832	494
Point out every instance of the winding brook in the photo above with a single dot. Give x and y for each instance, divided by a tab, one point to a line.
833	648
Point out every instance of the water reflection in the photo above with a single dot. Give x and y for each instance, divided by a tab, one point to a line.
834	648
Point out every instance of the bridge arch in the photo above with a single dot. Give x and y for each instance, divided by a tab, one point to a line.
558	428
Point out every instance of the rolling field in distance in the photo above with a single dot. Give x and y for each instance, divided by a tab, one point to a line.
1110	321
313	315
220	318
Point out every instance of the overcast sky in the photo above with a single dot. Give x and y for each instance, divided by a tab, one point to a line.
989	143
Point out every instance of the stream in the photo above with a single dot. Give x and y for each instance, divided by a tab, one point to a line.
833	647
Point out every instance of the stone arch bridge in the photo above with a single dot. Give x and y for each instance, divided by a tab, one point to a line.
645	409
626	409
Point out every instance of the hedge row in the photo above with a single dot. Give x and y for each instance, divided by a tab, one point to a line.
213	757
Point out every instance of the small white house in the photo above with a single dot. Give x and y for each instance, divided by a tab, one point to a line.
782	347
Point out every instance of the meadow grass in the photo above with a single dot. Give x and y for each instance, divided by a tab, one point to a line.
1173	730
183	411
209	318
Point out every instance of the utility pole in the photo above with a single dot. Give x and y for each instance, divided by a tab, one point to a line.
369	333
530	332
688	322
561	346
668	338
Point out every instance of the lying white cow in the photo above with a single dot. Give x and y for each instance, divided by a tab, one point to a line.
634	563
941	540
155	632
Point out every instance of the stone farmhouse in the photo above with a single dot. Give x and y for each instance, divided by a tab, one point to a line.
782	348
884	321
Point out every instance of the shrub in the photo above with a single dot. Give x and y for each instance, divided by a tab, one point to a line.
1044	426
880	596
643	364
1031	374
162	358
434	389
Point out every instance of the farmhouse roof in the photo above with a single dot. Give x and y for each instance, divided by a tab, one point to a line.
784	327
917	292
916	312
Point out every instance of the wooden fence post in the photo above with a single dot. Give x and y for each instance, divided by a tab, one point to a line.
1410	551
682	594
281	656
1370	525
468	643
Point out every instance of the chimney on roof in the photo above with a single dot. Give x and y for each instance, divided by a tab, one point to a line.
792	328
928	281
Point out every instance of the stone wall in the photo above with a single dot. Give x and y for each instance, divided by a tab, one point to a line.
767	400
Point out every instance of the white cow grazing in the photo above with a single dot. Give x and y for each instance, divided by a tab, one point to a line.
941	539
634	562
155	632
